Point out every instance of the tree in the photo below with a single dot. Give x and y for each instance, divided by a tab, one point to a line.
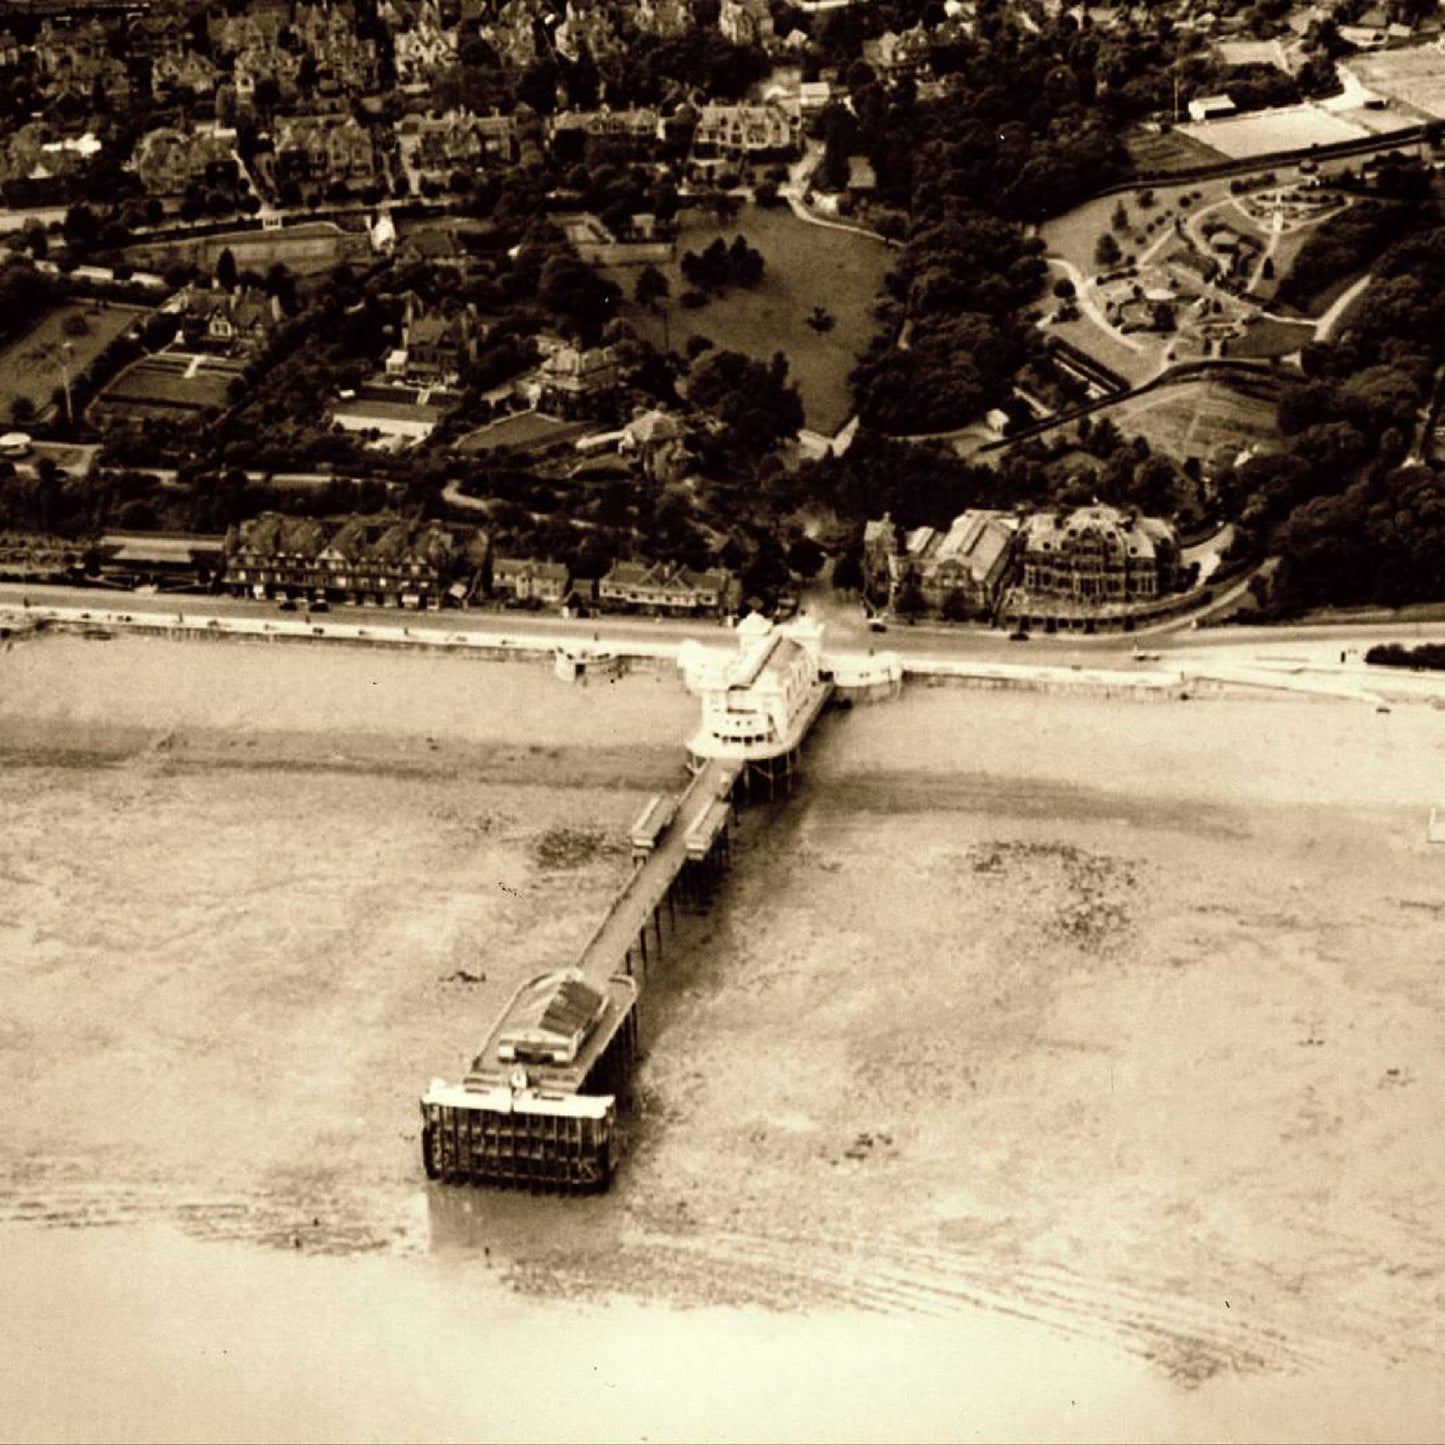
651	288
744	264
805	557
226	270
538	87
909	601
1106	251
757	403
821	319
848	572
767	573
81	227
570	288
955	607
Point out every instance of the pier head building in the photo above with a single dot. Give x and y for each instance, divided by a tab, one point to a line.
758	702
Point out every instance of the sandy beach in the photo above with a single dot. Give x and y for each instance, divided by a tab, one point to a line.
1116	1024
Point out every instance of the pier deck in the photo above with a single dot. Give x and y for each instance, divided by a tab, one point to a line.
606	951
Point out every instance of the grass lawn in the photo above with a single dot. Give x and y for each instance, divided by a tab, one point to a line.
1268	337
30	365
525	429
160	384
1074	234
1286	253
1170	151
806	266
1195	417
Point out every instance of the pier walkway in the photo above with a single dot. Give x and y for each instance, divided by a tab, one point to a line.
697	830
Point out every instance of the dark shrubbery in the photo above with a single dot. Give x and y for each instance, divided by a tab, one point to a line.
1429	655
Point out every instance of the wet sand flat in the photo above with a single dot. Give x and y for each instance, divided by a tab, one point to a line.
1119	1022
247	918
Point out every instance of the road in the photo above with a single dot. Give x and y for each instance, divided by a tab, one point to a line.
847	631
1325	326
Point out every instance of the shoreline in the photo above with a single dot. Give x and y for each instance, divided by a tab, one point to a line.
1162	684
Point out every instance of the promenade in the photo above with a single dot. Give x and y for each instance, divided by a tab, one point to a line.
1324	661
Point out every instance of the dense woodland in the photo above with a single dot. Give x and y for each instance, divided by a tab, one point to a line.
1354	512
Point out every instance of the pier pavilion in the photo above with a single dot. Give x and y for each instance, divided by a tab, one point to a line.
759	703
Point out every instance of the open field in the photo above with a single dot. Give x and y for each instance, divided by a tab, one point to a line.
172	384
1194	418
1166	151
1268	337
1414	76
30	365
1118	1021
806	266
1287	128
525	429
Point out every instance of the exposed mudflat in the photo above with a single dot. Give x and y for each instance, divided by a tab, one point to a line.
1119	1024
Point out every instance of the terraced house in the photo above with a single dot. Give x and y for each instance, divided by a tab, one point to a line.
168	160
665	587
737	132
325	150
378	561
434	147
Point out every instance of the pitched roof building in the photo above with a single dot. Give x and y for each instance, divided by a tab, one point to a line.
758	703
525	579
383	560
963	567
1098	555
665	587
734	131
574	380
